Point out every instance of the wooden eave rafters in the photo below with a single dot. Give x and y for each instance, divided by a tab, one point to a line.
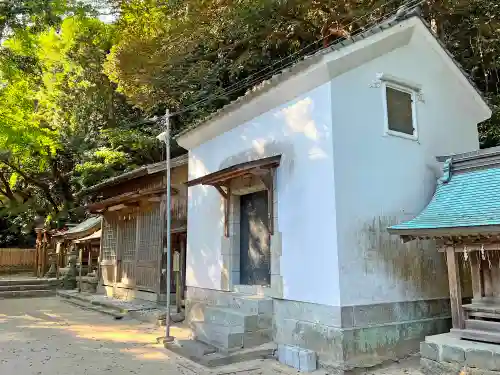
128	199
461	233
221	180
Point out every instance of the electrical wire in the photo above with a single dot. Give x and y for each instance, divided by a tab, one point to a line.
242	84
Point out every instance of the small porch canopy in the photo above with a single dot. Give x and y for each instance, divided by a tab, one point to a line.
94	237
221	180
463	218
81	230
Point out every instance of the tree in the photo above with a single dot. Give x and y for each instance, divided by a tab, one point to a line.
63	126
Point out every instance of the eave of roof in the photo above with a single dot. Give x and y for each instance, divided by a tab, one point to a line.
136	173
466	202
309	60
83	229
132	196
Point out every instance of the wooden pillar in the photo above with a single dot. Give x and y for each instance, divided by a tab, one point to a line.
183	263
80	263
37	251
455	288
475	271
89	261
43	256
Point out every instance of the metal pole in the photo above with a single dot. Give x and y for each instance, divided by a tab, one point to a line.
166	139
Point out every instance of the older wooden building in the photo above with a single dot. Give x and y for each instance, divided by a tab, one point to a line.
464	220
132	205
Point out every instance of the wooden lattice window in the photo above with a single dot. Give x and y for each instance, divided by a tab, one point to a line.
127	238
109	237
150	234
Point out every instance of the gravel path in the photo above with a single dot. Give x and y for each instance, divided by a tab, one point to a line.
46	336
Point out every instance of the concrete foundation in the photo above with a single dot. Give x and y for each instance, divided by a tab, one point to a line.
448	354
350	337
344	337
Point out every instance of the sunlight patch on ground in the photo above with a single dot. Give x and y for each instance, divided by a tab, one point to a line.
148	353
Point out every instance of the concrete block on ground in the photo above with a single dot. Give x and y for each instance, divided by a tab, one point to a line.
307	360
303	360
452	354
292	357
429	351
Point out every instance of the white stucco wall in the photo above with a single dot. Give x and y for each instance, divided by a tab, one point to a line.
301	131
382	179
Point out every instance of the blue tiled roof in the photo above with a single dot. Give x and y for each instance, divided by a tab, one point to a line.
469	199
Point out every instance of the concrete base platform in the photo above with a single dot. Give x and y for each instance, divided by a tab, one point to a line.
448	354
144	311
208	356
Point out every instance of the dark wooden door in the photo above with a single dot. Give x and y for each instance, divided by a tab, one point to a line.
255	258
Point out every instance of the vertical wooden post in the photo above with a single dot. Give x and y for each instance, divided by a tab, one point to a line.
227	202
183	264
43	256
455	288
475	271
37	251
80	261
89	261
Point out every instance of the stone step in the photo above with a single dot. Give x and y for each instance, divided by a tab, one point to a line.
482	325
475	335
246	304
100	309
257	338
27	293
222	337
27	282
231	318
24	287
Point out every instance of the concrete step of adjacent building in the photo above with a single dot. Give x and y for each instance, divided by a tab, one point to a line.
229	338
28	281
14	288
224	338
246	304
232	318
209	356
482	325
88	306
27	293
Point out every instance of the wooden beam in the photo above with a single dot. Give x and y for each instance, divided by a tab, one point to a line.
475	270
455	289
221	191
270	201
227	201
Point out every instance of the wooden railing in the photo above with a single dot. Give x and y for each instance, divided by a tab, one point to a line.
17	260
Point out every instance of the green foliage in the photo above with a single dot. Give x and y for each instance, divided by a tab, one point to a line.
63	127
75	92
177	53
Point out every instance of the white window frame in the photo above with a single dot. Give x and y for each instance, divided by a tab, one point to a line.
414	99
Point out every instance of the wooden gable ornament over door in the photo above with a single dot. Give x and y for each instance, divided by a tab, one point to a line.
264	169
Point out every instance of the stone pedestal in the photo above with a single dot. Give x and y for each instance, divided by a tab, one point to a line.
89	284
52	272
69	279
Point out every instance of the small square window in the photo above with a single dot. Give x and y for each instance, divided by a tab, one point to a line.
400	111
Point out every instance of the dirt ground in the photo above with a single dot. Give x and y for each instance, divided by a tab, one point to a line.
46	336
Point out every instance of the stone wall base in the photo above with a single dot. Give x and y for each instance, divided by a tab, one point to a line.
344	337
350	337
